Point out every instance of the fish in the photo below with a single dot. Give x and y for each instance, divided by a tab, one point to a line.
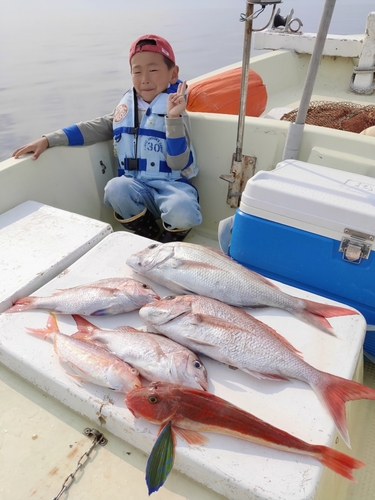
87	361
157	358
189	412
188	268
230	335
105	297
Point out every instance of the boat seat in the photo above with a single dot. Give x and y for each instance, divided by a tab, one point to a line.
342	161
37	242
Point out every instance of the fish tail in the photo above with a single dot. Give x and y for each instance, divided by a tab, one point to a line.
334	392
83	325
339	462
23	304
327	310
51	327
316	314
314	320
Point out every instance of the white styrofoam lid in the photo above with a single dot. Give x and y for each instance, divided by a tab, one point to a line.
298	193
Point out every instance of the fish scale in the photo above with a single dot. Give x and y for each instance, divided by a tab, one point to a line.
213	270
226	334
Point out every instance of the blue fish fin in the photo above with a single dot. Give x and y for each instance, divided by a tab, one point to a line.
160	461
100	312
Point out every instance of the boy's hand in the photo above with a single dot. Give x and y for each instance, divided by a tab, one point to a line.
176	103
37	147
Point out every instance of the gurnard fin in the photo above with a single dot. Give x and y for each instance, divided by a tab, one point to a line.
315	313
160	461
339	462
191	437
334	392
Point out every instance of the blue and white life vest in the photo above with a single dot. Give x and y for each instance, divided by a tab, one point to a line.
148	144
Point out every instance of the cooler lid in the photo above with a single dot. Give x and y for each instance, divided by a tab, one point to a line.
314	198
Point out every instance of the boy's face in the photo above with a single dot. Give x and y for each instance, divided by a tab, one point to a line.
151	75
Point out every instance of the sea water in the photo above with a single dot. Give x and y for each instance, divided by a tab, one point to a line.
65	62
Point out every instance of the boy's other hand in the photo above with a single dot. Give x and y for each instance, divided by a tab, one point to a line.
176	103
37	147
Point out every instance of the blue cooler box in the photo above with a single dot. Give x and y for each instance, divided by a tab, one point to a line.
311	227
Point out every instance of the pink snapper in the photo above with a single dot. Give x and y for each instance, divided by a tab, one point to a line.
108	296
157	358
89	362
186	268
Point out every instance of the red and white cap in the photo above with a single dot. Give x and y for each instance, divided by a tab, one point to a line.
157	44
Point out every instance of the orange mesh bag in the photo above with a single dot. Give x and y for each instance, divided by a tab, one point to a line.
338	115
221	94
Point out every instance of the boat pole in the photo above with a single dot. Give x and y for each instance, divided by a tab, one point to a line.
242	167
244	79
295	132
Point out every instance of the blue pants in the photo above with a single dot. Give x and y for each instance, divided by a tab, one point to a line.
175	202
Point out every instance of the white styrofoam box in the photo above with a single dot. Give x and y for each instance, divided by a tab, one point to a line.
237	469
37	242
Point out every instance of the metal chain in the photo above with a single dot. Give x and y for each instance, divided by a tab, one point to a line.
99	439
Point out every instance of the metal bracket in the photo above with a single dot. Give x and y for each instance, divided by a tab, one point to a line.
240	173
284	24
104	168
356	246
98	437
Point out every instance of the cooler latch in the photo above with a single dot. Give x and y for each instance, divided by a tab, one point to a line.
356	246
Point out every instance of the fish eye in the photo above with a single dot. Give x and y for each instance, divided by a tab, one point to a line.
197	364
170	297
154	245
153	399
145	286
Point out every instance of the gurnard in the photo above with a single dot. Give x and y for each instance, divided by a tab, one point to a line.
101	298
88	362
187	412
187	268
157	358
229	335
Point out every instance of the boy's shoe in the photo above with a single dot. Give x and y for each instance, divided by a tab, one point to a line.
143	224
168	236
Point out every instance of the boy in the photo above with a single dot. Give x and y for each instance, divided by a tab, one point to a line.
151	133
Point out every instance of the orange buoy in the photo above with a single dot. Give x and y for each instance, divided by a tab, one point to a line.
220	93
